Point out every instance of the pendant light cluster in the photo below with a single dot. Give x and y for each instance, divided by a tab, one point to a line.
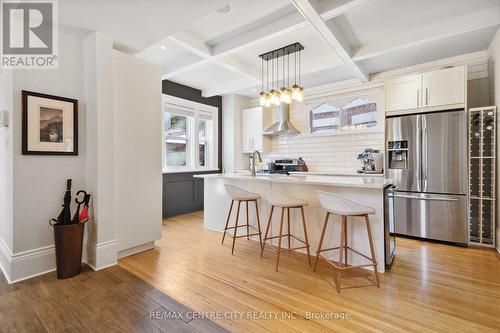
277	61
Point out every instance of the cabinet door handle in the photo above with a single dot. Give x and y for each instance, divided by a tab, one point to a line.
426	96
418	98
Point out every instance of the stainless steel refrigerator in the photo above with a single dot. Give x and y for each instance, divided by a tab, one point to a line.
426	156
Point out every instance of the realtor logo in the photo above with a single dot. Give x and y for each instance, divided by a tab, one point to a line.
29	34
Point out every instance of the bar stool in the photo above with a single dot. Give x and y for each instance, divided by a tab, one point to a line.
339	205
284	201
238	194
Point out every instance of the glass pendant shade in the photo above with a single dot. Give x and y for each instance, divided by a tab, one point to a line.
268	100
286	95
275	97
297	93
262	98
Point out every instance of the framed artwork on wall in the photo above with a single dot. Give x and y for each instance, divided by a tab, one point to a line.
50	124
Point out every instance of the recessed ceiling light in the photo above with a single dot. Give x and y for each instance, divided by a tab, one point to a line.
224	9
163	47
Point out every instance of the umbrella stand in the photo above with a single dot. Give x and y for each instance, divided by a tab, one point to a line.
69	243
68	235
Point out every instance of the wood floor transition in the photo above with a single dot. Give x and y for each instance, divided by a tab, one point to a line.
430	287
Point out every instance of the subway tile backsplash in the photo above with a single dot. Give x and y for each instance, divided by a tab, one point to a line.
333	153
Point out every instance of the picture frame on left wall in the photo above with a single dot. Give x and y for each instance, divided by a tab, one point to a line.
49	124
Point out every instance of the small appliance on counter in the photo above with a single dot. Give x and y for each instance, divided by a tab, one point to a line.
284	166
372	161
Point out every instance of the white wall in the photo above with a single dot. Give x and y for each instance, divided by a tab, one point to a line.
232	158
494	70
137	151
121	170
40	181
6	191
98	55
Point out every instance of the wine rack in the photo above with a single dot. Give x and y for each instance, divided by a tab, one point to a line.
482	176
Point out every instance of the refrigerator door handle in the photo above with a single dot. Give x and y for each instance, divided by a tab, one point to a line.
425	154
419	155
405	196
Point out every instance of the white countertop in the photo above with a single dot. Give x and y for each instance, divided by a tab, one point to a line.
319	173
361	181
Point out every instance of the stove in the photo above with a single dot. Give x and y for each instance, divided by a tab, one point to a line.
284	166
270	172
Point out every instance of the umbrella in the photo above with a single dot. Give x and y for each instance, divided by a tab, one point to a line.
65	215
84	215
76	217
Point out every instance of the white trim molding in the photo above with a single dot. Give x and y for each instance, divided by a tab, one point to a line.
136	249
5	255
102	255
24	265
30	263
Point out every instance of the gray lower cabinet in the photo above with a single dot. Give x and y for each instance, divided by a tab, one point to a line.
182	193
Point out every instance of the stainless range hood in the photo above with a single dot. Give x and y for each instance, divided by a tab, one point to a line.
283	126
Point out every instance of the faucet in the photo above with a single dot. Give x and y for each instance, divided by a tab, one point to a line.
252	170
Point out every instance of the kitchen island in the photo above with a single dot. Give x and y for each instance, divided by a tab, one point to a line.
368	191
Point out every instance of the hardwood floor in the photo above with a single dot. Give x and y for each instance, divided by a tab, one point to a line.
111	300
430	287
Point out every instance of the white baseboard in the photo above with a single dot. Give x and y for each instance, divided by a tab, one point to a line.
136	249
102	255
213	229
27	264
30	263
24	265
5	255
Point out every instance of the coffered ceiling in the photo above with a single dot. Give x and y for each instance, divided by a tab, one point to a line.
343	39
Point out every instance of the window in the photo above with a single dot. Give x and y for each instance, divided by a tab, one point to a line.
190	135
177	139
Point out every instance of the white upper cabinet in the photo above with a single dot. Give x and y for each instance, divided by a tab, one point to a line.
431	91
246	130
252	126
403	93
444	87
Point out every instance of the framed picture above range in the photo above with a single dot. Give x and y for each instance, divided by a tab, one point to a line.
50	124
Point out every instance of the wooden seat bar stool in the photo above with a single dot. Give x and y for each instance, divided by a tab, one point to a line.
240	195
285	202
339	205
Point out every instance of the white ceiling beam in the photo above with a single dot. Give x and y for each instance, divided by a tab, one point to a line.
451	28
182	69
233	86
204	51
268	32
227	88
264	33
283	26
330	9
332	36
192	44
